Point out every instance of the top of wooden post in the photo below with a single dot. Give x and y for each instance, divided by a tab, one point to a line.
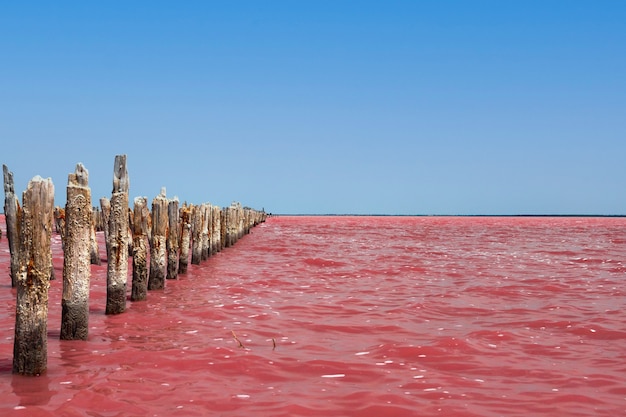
8	180
80	177
120	175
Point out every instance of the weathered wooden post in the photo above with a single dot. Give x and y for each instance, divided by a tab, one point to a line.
246	221
76	257
196	235
30	348
229	217
59	223
206	224
240	222
216	229
185	238
173	237
105	206
158	245
130	231
94	249
117	239
223	226
12	213
95	215
234	223
141	217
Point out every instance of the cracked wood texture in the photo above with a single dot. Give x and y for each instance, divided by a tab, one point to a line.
173	237
185	238
30	348
156	280
141	217
12	212
117	239
216	227
196	235
76	257
206	228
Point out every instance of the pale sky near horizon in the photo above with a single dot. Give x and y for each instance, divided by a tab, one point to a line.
317	107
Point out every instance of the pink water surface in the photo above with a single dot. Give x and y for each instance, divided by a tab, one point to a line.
353	316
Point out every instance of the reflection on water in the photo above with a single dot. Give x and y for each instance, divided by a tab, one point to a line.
32	390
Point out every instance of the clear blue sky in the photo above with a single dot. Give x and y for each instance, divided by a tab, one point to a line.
389	107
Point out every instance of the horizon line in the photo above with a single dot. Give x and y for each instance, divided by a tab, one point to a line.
445	215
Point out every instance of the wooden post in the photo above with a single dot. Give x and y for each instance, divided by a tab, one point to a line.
94	249
117	243
141	217
234	224
240	222
246	222
196	235
223	223
97	219
59	223
105	206
30	348
173	237
76	257
185	238
158	244
12	213
232	220
229	218
206	221
216	232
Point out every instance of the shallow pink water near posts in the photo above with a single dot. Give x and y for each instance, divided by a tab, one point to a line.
353	316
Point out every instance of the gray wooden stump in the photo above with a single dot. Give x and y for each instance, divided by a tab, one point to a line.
233	224
232	221
117	239
223	222
30	348
196	235
58	215
240	223
249	219
76	257
204	236
158	245
216	229
224	228
97	219
94	248
141	218
105	207
130	231
230	238
185	238
173	237
12	213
